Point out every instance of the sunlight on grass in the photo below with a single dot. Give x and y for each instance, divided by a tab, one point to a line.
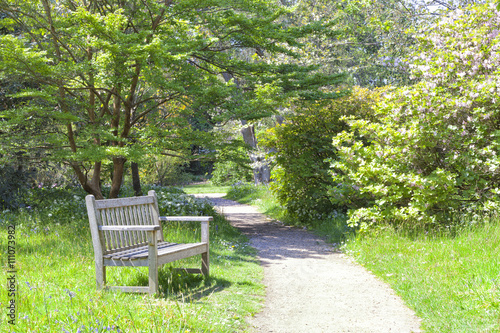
451	282
205	187
56	281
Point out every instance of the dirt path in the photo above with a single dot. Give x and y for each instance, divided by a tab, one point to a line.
310	287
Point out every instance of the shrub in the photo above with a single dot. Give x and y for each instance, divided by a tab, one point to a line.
163	170
434	147
301	148
231	167
13	187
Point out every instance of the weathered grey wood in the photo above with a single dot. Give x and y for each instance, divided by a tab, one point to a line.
123	202
205	256
129	289
130	227
187	218
128	232
97	241
153	262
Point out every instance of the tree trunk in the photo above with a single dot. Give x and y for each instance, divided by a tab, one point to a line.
92	186
118	169
136	180
261	170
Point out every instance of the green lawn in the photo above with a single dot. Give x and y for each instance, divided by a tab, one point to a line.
451	281
205	187
56	279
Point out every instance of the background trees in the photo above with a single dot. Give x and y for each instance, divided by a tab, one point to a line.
114	81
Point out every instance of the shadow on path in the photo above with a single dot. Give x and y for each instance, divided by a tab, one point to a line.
310	287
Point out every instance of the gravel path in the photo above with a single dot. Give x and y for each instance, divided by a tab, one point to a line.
309	286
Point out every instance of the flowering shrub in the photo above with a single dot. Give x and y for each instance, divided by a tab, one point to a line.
174	202
49	205
434	146
301	148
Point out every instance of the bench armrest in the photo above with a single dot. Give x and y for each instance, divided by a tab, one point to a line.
203	219
187	218
129	227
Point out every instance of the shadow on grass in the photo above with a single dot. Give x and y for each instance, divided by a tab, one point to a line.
176	284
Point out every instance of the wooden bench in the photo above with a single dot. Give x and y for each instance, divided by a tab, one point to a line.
127	232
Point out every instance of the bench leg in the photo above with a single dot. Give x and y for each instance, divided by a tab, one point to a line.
100	271
153	278
205	263
153	263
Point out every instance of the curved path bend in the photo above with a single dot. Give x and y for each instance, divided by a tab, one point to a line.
310	287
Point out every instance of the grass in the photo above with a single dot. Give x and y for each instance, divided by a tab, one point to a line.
205	187
259	196
451	278
56	279
451	281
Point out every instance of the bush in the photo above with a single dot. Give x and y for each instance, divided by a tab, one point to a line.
231	167
13	187
302	147
163	171
434	148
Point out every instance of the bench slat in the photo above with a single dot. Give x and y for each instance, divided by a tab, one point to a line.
170	255
187	218
129	227
123	202
142	252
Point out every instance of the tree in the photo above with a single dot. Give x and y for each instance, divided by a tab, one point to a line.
116	80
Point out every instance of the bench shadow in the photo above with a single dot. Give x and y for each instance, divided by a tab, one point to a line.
205	288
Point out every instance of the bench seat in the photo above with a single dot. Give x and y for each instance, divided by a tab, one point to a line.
167	252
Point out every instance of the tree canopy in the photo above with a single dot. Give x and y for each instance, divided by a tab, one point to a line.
108	82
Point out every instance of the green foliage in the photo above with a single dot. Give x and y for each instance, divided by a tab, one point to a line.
302	148
163	170
229	172
115	83
13	187
231	167
174	202
434	146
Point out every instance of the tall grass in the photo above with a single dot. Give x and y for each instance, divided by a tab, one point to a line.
56	278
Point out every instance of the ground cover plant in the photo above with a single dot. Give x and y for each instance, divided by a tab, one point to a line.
56	277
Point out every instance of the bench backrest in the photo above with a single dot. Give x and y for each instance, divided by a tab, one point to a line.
122	211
